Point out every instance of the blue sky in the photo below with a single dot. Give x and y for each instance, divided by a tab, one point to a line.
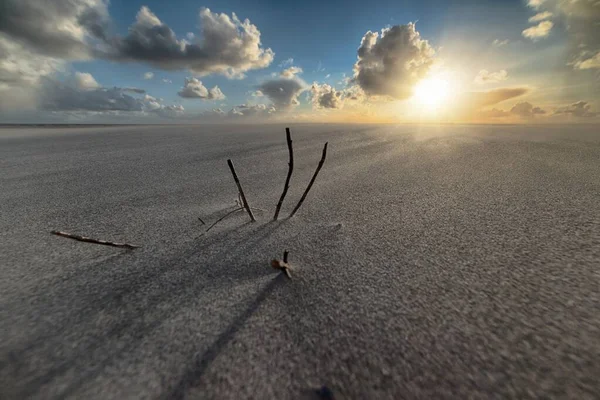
321	36
471	47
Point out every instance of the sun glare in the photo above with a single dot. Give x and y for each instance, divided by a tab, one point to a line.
432	92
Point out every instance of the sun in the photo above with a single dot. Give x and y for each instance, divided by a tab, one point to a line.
432	92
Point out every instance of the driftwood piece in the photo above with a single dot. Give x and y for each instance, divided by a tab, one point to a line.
288	136
241	191
95	241
323	156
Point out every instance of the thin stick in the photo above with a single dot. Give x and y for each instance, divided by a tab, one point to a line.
288	136
223	217
241	191
285	256
311	181
200	219
95	241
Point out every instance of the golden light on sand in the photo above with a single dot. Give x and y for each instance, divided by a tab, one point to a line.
432	92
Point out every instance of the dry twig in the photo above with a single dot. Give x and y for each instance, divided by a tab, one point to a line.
323	156
288	136
241	191
95	241
283	265
223	217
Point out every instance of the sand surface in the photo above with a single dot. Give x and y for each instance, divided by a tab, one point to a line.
430	262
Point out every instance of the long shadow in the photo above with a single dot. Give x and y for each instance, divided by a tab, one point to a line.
196	371
132	322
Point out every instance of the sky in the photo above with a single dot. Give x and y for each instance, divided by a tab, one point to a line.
95	61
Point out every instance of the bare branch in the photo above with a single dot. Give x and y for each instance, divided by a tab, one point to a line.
241	191
95	241
288	136
323	156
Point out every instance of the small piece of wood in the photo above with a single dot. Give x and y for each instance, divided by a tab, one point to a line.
223	217
323	156
200	219
240	190
95	241
286	186
282	266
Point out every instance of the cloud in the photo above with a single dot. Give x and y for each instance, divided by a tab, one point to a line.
541	16
535	3
484	76
167	81
589	63
291	72
283	92
538	31
391	64
85	81
473	101
286	63
21	72
58	28
581	19
581	109
69	99
173	111
247	110
57	96
500	43
134	90
194	89
257	93
148	75
326	96
227	45
526	110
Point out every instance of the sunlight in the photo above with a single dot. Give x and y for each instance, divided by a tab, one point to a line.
432	92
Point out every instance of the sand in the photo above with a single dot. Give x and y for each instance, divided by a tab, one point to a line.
429	262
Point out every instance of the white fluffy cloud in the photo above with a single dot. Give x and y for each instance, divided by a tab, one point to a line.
85	81
148	75
484	76
581	19
226	45
391	64
326	96
79	29
541	16
589	63
291	72
194	89
538	31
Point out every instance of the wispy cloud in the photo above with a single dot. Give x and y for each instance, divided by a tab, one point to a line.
484	76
